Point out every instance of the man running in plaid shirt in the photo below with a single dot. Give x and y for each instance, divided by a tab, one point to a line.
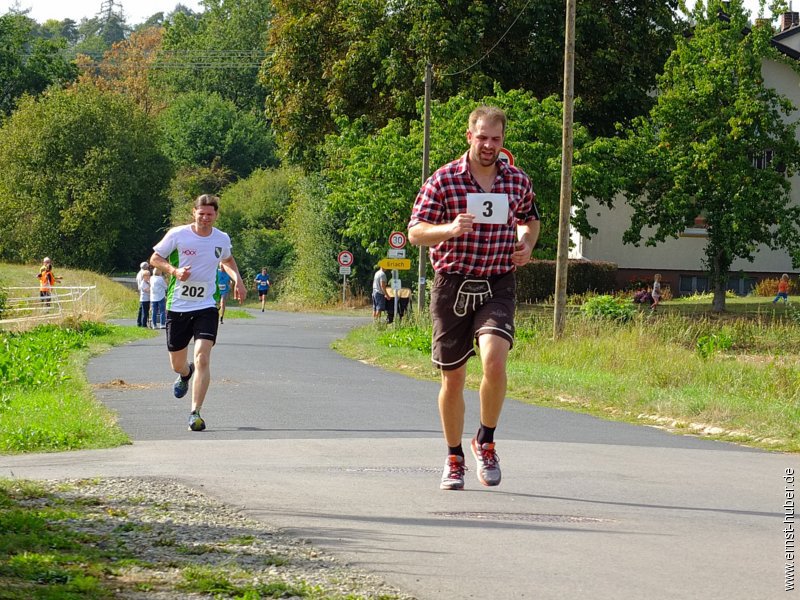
479	217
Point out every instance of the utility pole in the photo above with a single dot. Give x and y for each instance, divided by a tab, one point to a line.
426	150
565	203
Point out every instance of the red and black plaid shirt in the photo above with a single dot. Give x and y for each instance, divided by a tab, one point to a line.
486	250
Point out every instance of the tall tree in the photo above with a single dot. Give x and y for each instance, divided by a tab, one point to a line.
125	69
28	64
201	128
302	44
719	145
218	51
351	58
102	31
81	180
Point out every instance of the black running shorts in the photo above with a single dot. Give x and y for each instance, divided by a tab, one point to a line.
198	324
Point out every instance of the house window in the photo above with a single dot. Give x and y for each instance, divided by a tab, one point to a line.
692	284
763	160
698	229
741	286
698	284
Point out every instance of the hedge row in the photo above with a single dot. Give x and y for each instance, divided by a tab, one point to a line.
536	280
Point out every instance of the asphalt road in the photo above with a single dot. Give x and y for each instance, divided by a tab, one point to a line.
349	456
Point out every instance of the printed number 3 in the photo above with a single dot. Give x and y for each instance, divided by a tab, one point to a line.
489	208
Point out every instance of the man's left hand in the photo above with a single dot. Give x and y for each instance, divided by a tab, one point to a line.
522	253
239	291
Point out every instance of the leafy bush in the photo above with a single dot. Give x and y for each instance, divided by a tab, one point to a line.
413	337
536	280
81	180
608	307
714	342
35	358
769	287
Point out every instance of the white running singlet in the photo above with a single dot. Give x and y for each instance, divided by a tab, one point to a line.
182	247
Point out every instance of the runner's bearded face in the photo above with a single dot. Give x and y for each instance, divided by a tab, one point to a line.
485	142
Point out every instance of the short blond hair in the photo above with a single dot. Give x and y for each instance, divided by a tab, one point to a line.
488	113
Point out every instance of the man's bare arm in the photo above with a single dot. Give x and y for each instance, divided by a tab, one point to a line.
428	234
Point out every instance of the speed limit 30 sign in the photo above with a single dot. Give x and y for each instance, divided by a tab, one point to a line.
397	239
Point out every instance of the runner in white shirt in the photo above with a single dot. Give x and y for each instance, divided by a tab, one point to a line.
190	255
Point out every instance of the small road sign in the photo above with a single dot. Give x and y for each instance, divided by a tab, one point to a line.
396	253
344	270
397	239
401	264
345	258
506	156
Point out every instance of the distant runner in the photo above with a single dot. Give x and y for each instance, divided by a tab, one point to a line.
262	286
223	288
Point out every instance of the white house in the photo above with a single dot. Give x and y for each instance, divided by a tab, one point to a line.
680	260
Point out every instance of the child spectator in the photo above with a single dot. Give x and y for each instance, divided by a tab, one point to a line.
783	289
656	291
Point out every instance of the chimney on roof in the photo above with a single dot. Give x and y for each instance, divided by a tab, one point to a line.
789	20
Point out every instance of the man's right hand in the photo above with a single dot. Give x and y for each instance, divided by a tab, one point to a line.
183	273
462	224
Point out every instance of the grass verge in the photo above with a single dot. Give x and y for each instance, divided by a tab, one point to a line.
102	539
46	403
732	379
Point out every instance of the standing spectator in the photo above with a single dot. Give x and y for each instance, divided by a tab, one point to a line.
47	281
477	214
378	292
403	300
144	267
158	299
262	286
223	289
144	300
190	254
783	289
656	291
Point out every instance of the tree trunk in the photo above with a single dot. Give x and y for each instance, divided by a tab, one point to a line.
718	304
719	279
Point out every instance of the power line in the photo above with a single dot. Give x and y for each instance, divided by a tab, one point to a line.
489	51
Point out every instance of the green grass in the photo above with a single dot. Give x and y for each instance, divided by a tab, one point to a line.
46	404
237	313
699	371
40	557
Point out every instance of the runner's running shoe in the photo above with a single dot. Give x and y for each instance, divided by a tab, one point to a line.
488	462
196	423
181	386
453	475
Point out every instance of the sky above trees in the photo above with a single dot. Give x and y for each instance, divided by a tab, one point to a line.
135	11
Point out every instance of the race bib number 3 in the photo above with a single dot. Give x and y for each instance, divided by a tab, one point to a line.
488	208
194	291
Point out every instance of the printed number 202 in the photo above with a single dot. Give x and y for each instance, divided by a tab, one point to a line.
489	208
192	292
